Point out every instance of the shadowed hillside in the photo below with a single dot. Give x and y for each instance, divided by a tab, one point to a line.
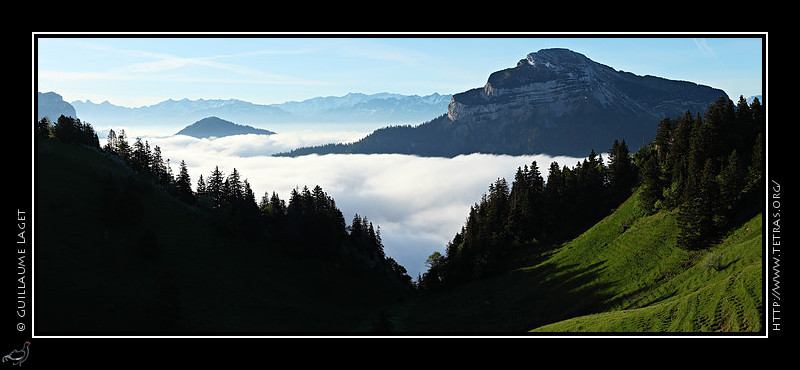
117	254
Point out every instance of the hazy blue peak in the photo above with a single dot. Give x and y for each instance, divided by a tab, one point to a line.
52	105
216	127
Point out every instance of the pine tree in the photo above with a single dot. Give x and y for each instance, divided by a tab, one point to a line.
214	188
64	129
678	161
139	159
148	157
111	145
356	228
621	170
651	184
183	184
721	133
663	139
697	217
159	169
248	195
201	186
755	172
277	206
235	189
43	127
732	181
123	148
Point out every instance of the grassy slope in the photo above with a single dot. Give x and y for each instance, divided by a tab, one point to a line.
625	274
651	285
172	271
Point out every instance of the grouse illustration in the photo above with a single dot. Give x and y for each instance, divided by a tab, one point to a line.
18	356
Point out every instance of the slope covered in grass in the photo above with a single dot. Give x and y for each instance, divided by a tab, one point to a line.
650	284
658	287
625	274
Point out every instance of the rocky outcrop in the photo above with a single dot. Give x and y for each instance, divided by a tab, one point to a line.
560	89
52	106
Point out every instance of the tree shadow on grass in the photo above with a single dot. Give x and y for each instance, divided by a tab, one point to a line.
556	293
516	302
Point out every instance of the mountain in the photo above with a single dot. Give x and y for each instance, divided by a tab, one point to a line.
52	106
217	127
351	108
554	101
357	107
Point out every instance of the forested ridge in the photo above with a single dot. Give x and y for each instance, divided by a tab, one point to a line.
707	165
309	224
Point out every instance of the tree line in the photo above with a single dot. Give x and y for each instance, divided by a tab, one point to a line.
529	214
310	224
707	167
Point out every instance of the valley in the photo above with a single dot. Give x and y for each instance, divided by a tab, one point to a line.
563	196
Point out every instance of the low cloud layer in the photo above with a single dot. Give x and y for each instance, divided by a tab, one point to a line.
419	203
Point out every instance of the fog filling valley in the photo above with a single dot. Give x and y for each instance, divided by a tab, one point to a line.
419	203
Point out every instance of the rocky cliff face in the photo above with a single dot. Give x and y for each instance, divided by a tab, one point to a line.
560	89
555	101
52	106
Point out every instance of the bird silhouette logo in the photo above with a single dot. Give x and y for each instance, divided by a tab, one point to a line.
18	356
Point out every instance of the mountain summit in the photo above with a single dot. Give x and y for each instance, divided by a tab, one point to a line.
217	127
554	101
554	87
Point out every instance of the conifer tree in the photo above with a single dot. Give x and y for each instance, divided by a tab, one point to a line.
139	158
43	127
159	169
111	145
697	217
677	160
248	195
356	229
148	157
183	184
277	204
651	183
123	148
732	180
235	189
201	186
273	206
756	169
720	119
663	139
214	187
64	129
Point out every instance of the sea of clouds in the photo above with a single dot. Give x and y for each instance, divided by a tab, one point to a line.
419	203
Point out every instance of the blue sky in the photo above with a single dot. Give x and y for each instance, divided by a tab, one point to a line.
134	71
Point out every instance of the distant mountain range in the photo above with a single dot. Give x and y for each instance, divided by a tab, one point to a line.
554	101
217	127
352	108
